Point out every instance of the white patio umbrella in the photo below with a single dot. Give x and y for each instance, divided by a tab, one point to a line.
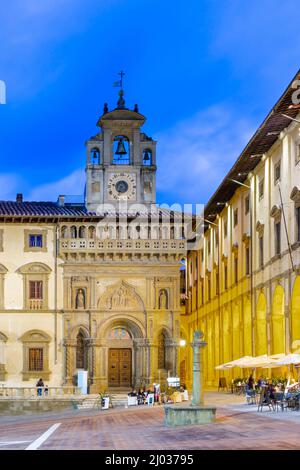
236	363
286	360
255	362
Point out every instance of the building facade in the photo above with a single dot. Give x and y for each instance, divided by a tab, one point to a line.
244	280
96	285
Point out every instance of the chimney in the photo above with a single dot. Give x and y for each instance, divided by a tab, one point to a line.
61	200
19	197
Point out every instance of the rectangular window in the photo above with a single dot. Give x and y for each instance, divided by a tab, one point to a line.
261	252
217	283
261	189
202	292
209	287
235	269
247	204
247	253
235	218
208	247
35	290
35	241
277	238
298	223
201	255
217	238
225	277
225	228
35	359
276	172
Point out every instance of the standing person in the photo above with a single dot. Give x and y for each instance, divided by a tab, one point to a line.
40	384
250	382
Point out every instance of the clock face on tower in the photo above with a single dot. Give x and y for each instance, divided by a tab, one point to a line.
122	186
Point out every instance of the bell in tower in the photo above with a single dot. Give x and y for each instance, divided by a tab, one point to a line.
121	148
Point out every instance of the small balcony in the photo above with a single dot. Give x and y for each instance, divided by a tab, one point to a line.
36	304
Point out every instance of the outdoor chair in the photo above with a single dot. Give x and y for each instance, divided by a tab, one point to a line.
280	402
265	400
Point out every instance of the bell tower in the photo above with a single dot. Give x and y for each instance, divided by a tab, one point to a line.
121	160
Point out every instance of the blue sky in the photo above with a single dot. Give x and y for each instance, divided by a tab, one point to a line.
204	72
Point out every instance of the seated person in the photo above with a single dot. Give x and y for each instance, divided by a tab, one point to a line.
132	393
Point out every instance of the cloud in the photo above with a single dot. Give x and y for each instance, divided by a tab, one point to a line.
195	154
72	184
193	157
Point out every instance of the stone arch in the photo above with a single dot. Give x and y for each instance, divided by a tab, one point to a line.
295	314
81	327
135	327
278	322
261	326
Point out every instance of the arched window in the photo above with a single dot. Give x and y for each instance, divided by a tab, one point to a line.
81	232
92	232
73	231
161	356
95	156
147	157
64	232
121	150
80	351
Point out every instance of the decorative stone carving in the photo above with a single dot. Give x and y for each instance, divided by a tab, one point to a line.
260	229
276	213
246	239
121	297
295	196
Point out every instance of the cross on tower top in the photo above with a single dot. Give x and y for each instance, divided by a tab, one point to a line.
121	75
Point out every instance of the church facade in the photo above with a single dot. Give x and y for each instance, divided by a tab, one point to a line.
95	285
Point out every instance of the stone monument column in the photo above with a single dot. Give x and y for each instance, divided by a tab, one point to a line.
196	413
198	345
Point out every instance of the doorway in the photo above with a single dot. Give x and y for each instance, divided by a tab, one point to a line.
119	367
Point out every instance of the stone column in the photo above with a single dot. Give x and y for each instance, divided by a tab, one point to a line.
70	348
198	345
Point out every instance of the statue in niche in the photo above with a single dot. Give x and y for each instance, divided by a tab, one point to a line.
163	299
80	299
